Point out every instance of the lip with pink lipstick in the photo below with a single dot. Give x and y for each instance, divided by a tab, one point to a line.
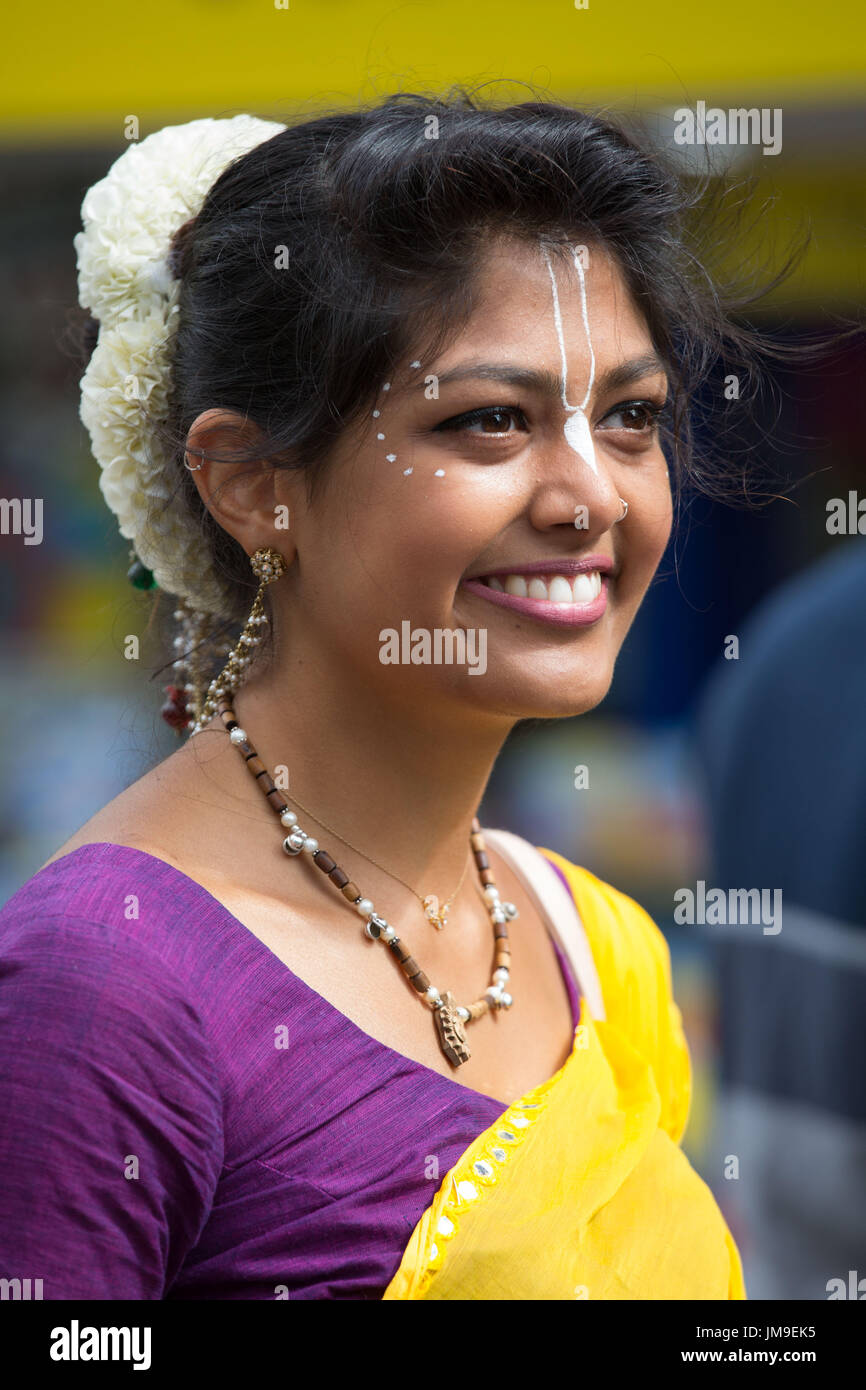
568	593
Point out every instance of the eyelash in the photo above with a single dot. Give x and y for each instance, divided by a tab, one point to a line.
653	410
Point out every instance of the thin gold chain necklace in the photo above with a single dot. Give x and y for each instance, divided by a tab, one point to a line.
433	912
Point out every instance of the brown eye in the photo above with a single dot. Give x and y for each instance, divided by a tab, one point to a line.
493	419
638	416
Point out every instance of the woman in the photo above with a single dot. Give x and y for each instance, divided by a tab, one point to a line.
398	379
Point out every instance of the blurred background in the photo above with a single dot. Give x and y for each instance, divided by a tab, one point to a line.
745	771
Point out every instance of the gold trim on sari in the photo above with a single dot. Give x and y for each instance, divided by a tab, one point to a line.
580	1189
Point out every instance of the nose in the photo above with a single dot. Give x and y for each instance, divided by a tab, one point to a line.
569	492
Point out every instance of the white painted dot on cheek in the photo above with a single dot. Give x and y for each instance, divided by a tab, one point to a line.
392	458
414	364
376	414
407	471
380	436
440	473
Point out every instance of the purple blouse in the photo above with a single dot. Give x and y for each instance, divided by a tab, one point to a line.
181	1117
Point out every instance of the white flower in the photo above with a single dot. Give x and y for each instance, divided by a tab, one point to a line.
129	219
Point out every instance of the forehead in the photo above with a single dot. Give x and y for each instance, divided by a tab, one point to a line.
514	306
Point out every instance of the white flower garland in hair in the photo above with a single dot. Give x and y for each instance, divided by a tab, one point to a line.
124	279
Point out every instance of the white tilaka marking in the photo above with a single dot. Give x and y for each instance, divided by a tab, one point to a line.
577	433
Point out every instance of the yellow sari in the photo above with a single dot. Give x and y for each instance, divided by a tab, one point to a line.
580	1188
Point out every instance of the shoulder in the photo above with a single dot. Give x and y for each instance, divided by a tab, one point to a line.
105	1058
632	958
112	929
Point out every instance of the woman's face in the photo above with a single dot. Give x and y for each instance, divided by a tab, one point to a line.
465	489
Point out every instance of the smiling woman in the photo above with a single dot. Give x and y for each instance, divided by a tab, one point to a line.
420	369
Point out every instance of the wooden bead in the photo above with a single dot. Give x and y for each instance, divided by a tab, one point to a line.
478	1008
266	782
500	932
503	960
481	859
400	951
477	842
487	876
420	982
245	749
255	764
324	861
351	891
337	876
277	800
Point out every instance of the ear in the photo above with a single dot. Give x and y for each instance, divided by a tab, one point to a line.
246	496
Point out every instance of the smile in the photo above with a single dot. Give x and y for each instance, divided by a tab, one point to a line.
568	600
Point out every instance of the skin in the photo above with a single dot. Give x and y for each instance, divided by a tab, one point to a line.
396	757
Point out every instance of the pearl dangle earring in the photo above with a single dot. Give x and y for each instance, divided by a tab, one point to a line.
267	565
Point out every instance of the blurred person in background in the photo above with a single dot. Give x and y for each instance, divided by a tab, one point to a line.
781	736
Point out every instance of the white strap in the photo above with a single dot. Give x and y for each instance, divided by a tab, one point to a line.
558	910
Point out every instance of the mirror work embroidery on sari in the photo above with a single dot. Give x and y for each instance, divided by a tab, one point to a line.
479	1169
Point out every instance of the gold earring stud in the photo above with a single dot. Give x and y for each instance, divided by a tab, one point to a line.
267	565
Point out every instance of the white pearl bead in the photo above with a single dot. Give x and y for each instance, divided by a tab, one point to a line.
288	819
364	907
389	934
497	915
238	736
491	891
311	845
500	976
463	1013
433	994
506	1001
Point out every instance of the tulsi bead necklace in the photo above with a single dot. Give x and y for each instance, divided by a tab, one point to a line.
449	1017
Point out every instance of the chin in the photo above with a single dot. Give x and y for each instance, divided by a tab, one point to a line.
559	699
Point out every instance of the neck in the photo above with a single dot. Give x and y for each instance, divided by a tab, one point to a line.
399	781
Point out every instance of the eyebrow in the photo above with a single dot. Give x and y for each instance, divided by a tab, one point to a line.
550	383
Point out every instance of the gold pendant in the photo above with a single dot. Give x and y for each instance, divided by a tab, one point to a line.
431	909
452	1035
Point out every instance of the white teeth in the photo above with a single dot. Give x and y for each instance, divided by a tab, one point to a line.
560	590
515	584
582	589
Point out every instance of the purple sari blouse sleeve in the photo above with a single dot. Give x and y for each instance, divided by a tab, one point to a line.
110	1112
